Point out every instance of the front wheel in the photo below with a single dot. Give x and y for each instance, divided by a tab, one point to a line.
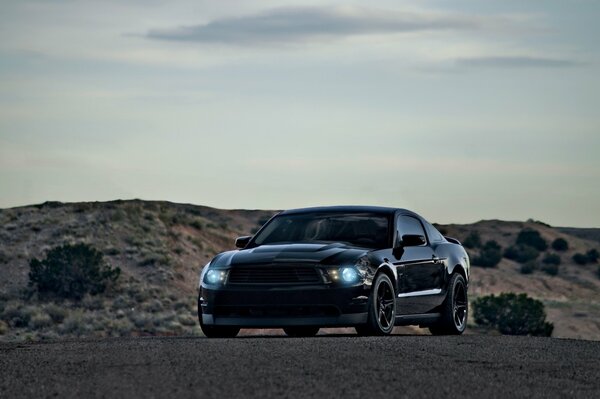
301	331
219	331
382	308
216	331
454	310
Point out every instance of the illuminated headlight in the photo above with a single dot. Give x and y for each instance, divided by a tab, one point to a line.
349	274
215	277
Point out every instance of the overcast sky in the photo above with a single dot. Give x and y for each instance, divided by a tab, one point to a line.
459	110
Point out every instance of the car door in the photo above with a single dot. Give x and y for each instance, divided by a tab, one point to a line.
421	272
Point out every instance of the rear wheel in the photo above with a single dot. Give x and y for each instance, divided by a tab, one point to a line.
301	331
382	308
454	310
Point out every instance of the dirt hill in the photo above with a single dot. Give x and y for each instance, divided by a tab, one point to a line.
162	246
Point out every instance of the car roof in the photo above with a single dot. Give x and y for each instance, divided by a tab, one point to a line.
348	208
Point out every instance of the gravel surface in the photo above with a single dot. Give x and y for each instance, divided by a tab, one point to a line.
324	366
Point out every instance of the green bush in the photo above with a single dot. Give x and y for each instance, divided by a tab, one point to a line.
560	244
521	253
512	314
532	238
580	259
528	268
552	259
473	240
71	271
489	256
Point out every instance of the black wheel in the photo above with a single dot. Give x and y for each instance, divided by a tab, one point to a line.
217	331
382	308
301	331
454	310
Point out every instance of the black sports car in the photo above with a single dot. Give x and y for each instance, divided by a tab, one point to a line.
371	268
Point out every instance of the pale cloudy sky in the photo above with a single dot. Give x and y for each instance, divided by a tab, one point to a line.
459	110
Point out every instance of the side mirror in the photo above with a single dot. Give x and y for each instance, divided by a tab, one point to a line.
413	240
241	242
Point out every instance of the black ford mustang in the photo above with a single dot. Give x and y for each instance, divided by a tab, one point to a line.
367	267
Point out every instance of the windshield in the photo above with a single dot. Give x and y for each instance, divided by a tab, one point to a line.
365	230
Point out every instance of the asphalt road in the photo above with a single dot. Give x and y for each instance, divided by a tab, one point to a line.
324	366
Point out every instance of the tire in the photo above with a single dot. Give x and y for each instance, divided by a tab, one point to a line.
455	309
382	308
301	331
217	331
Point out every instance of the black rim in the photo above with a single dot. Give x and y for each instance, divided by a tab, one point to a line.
385	306
460	306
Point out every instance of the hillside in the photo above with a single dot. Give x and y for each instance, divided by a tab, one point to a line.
161	247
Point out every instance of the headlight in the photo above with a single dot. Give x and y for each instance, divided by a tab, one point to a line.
344	275
215	276
349	274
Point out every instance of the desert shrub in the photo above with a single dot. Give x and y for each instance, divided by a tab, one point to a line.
551	259
560	244
489	256
56	312
39	321
17	315
142	320
92	303
153	306
550	268
473	240
187	320
598	271
512	314
111	251
196	224
78	323
521	253
528	268
592	255
71	271
3	327
580	259
532	238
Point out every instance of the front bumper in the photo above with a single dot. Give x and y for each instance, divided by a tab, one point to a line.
264	307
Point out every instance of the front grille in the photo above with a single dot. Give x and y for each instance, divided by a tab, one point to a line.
274	275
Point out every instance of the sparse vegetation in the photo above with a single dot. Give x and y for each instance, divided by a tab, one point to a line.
71	271
473	240
489	256
560	244
512	314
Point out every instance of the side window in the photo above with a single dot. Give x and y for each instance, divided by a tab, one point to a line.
409	225
434	234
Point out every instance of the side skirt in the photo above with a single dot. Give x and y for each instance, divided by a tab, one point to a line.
422	320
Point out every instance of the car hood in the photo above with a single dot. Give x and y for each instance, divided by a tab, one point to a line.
328	254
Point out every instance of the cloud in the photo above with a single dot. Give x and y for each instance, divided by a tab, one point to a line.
515	62
298	24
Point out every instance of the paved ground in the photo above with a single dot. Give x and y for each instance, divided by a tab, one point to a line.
324	366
